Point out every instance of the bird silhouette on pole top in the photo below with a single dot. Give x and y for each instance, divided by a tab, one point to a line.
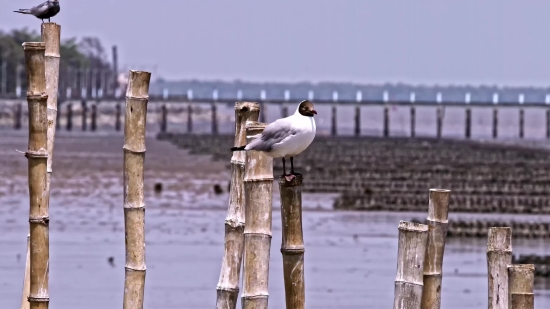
42	11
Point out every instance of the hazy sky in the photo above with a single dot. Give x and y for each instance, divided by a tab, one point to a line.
420	41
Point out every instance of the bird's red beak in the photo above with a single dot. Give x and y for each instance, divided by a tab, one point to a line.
314	111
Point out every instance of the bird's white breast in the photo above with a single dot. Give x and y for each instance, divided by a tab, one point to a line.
294	145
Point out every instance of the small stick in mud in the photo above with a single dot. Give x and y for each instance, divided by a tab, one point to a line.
438	213
412	241
37	155
292	245
499	256
258	187
228	284
137	96
521	279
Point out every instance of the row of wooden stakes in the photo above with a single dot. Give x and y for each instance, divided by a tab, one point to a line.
42	71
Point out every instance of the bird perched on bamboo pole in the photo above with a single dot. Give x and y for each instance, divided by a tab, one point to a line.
42	11
286	137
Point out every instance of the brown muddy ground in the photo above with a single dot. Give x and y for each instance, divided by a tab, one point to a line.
350	256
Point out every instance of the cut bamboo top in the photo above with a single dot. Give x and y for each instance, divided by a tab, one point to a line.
36	72
138	85
259	166
51	33
438	209
412	226
34	46
499	239
521	278
247	106
244	112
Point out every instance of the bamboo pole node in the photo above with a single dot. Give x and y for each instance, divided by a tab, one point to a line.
227	289
40	154
499	256
38	299
40	220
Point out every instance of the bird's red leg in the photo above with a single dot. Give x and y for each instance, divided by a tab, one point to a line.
287	177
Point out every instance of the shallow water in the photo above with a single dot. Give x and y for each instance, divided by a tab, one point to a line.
350	259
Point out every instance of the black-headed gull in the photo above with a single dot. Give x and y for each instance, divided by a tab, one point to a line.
44	10
286	137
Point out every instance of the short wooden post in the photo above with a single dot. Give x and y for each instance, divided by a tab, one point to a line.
468	132
438	213
284	111
413	121
163	118
258	185
521	122
93	125
292	246
263	109
117	116
357	120
439	121
135	121
548	123
189	118
499	256
521	279
214	119
412	241
84	115
333	123
58	116
18	115
386	121
69	116
228	284
495	123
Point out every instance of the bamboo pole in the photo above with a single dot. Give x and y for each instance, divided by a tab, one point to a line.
386	121
26	281
258	186
438	213
499	256
227	289
521	278
292	246
37	155
410	265
134	205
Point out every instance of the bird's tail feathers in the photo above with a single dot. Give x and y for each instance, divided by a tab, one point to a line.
238	148
23	11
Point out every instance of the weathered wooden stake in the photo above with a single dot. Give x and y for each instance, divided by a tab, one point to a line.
521	122
284	111
292	246
27	278
468	126
386	121
357	120
263	109
214	118
548	123
18	115
69	116
137	95
37	155
163	118
413	121
438	213
189	118
258	186
439	121
228	284
521	279
333	128
117	117
495	123
413	238
93	125
84	115
499	256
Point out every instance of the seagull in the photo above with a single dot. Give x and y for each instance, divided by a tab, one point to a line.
44	10
286	137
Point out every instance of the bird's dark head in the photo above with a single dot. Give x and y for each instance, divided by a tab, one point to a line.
306	109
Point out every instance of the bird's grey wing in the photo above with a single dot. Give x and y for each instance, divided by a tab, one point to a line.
274	133
40	9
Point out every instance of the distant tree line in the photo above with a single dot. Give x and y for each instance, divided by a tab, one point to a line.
83	64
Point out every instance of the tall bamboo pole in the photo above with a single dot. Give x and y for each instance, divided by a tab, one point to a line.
499	256
37	155
411	251
292	245
137	95
26	281
438	213
258	186
521	278
228	284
